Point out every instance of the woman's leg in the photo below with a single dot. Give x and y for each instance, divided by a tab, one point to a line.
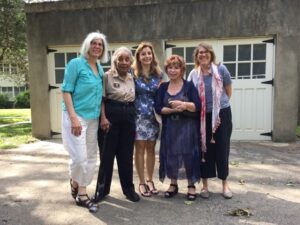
150	163
140	146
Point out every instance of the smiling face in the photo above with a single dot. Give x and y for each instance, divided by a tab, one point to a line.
174	71
96	48
204	56
146	56
123	63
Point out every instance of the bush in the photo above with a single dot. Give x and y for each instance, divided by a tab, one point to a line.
4	102
23	100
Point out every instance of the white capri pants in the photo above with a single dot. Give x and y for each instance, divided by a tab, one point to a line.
82	149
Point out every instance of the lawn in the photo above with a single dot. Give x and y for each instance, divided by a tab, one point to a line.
16	134
8	116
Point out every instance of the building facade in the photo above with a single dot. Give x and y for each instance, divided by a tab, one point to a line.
257	40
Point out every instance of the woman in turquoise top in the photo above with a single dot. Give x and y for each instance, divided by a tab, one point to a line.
147	79
82	94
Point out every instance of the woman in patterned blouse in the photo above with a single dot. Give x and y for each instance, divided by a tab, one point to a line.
147	79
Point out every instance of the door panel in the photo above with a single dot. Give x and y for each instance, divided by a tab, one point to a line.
250	62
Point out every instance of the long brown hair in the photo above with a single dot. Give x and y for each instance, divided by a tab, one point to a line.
137	66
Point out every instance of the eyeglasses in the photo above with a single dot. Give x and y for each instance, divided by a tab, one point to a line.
94	43
203	52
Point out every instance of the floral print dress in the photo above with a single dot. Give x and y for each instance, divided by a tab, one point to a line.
147	128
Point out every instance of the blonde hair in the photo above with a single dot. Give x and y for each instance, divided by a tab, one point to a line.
137	65
86	44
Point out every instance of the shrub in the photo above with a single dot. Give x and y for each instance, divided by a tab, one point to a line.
4	101
23	100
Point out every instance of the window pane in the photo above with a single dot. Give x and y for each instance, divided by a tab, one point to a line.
229	53
244	52
231	69
59	59
188	70
59	76
259	69
178	51
189	54
71	55
17	90
259	52
243	70
22	89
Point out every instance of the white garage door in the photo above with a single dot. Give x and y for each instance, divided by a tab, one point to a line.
250	62
58	57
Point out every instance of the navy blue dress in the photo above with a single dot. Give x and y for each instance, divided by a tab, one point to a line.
180	137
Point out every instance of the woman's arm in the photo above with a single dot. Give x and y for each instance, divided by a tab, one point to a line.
75	123
228	90
104	122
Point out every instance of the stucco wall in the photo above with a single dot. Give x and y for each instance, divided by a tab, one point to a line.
67	22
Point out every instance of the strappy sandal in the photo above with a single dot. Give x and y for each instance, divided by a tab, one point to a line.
153	191
170	194
74	190
87	203
145	193
189	196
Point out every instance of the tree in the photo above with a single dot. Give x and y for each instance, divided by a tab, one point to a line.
13	47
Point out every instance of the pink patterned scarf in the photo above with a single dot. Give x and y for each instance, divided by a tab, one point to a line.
217	88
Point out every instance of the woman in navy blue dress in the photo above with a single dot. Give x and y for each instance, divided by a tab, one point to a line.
147	79
180	141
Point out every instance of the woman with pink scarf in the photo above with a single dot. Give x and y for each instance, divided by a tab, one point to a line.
213	83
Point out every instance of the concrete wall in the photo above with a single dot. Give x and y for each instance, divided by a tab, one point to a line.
67	22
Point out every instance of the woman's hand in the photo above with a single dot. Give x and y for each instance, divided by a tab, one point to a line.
76	127
179	106
104	124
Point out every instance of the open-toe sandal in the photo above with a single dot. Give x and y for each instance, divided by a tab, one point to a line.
87	203
170	194
153	190
145	192
74	190
189	196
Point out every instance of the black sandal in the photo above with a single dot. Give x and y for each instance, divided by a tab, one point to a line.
74	190
154	191
189	196
87	203
170	194
145	193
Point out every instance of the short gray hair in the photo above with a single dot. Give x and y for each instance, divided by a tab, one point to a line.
116	55
86	44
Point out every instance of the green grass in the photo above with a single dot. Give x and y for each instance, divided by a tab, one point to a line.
15	135
8	116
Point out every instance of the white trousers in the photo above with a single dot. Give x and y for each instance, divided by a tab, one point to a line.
82	149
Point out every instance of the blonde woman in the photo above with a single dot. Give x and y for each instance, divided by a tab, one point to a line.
147	79
214	85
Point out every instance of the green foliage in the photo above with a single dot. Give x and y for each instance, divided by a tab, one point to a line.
13	47
4	101
23	100
298	131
